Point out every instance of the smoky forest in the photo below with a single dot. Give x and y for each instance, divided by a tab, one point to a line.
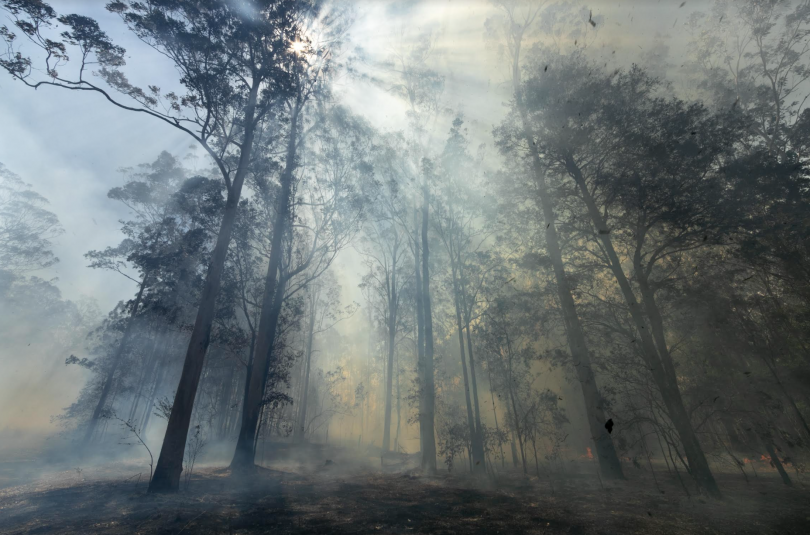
405	266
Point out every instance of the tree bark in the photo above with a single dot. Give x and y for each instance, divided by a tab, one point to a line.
170	462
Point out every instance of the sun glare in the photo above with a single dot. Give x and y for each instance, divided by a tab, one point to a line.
298	46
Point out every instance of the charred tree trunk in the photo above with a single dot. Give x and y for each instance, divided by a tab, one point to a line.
399	410
271	310
224	402
776	462
170	462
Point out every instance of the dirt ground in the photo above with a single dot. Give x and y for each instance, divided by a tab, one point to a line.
344	498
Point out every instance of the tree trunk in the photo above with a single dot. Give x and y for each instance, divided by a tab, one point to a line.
146	374
300	430
515	413
477	451
119	354
170	462
389	372
654	347
399	410
495	414
271	309
467	320
428	389
776	462
420	339
224	402
609	463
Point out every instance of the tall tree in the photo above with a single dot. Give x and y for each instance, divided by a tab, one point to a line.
233	79
517	23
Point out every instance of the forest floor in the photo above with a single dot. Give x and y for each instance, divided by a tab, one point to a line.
347	497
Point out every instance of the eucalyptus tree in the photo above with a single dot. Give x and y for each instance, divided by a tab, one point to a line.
386	256
517	22
26	226
460	224
754	56
324	312
147	194
233	80
319	206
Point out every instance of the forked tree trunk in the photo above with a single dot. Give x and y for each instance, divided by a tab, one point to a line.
170	462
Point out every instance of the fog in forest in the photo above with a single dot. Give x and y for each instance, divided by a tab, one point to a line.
502	266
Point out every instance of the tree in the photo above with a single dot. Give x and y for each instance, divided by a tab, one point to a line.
516	134
26	226
233	79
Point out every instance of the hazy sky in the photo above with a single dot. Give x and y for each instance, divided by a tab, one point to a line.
70	145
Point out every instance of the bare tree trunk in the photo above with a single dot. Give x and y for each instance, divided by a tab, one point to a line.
428	390
495	414
224	401
477	450
515	413
420	339
271	309
146	375
467	320
119	354
170	462
389	372
304	395
399	410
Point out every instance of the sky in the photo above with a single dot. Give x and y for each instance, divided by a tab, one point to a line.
70	146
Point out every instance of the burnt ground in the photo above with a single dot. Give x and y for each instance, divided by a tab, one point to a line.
342	499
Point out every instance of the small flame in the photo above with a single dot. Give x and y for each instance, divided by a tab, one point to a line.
763	458
590	454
